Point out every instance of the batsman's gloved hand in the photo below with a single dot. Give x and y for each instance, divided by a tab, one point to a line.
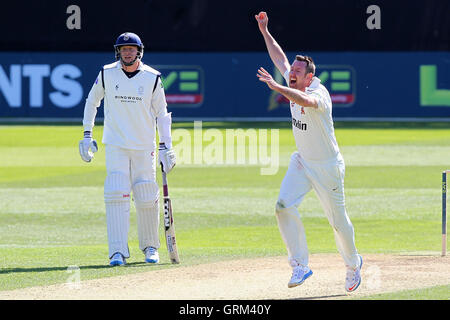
167	158
87	147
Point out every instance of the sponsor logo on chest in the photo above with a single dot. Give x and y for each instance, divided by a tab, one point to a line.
129	98
299	125
302	109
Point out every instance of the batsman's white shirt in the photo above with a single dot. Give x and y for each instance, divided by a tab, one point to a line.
131	106
313	128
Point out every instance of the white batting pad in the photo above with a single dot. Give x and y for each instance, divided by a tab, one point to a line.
117	204
146	196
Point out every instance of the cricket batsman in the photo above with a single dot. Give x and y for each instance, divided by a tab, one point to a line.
134	105
317	164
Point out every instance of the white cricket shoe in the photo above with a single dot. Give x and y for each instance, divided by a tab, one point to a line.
117	260
151	255
353	277
299	274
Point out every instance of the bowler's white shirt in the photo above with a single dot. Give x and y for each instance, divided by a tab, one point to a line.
130	106
313	128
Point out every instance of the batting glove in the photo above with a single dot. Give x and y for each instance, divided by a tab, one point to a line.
167	158
87	147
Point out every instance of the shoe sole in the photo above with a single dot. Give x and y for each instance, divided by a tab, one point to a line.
296	284
360	267
116	263
151	261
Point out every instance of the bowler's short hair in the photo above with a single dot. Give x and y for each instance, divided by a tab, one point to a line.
310	66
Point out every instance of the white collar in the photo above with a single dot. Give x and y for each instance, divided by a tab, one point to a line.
314	84
119	65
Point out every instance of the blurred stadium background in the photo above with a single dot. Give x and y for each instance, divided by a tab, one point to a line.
209	51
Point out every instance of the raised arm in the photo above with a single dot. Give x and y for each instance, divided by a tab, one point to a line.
275	52
297	96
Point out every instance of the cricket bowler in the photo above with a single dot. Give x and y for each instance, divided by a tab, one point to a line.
317	164
134	105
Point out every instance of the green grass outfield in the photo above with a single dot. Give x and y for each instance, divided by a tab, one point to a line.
52	211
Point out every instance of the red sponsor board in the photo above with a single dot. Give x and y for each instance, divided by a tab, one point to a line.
281	99
184	98
342	98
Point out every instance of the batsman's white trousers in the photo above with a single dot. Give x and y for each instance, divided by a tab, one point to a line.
131	170
327	180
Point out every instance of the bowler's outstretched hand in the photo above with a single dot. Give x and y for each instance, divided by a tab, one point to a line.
263	21
265	77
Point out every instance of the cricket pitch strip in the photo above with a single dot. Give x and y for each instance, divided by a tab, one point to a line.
254	279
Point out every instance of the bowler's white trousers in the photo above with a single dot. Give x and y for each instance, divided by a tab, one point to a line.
131	170
327	180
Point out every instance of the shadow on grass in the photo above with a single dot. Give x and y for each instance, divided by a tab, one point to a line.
322	297
325	297
88	267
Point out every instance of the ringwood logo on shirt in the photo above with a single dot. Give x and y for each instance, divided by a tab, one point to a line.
128	99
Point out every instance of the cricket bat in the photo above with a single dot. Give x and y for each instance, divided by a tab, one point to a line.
168	223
